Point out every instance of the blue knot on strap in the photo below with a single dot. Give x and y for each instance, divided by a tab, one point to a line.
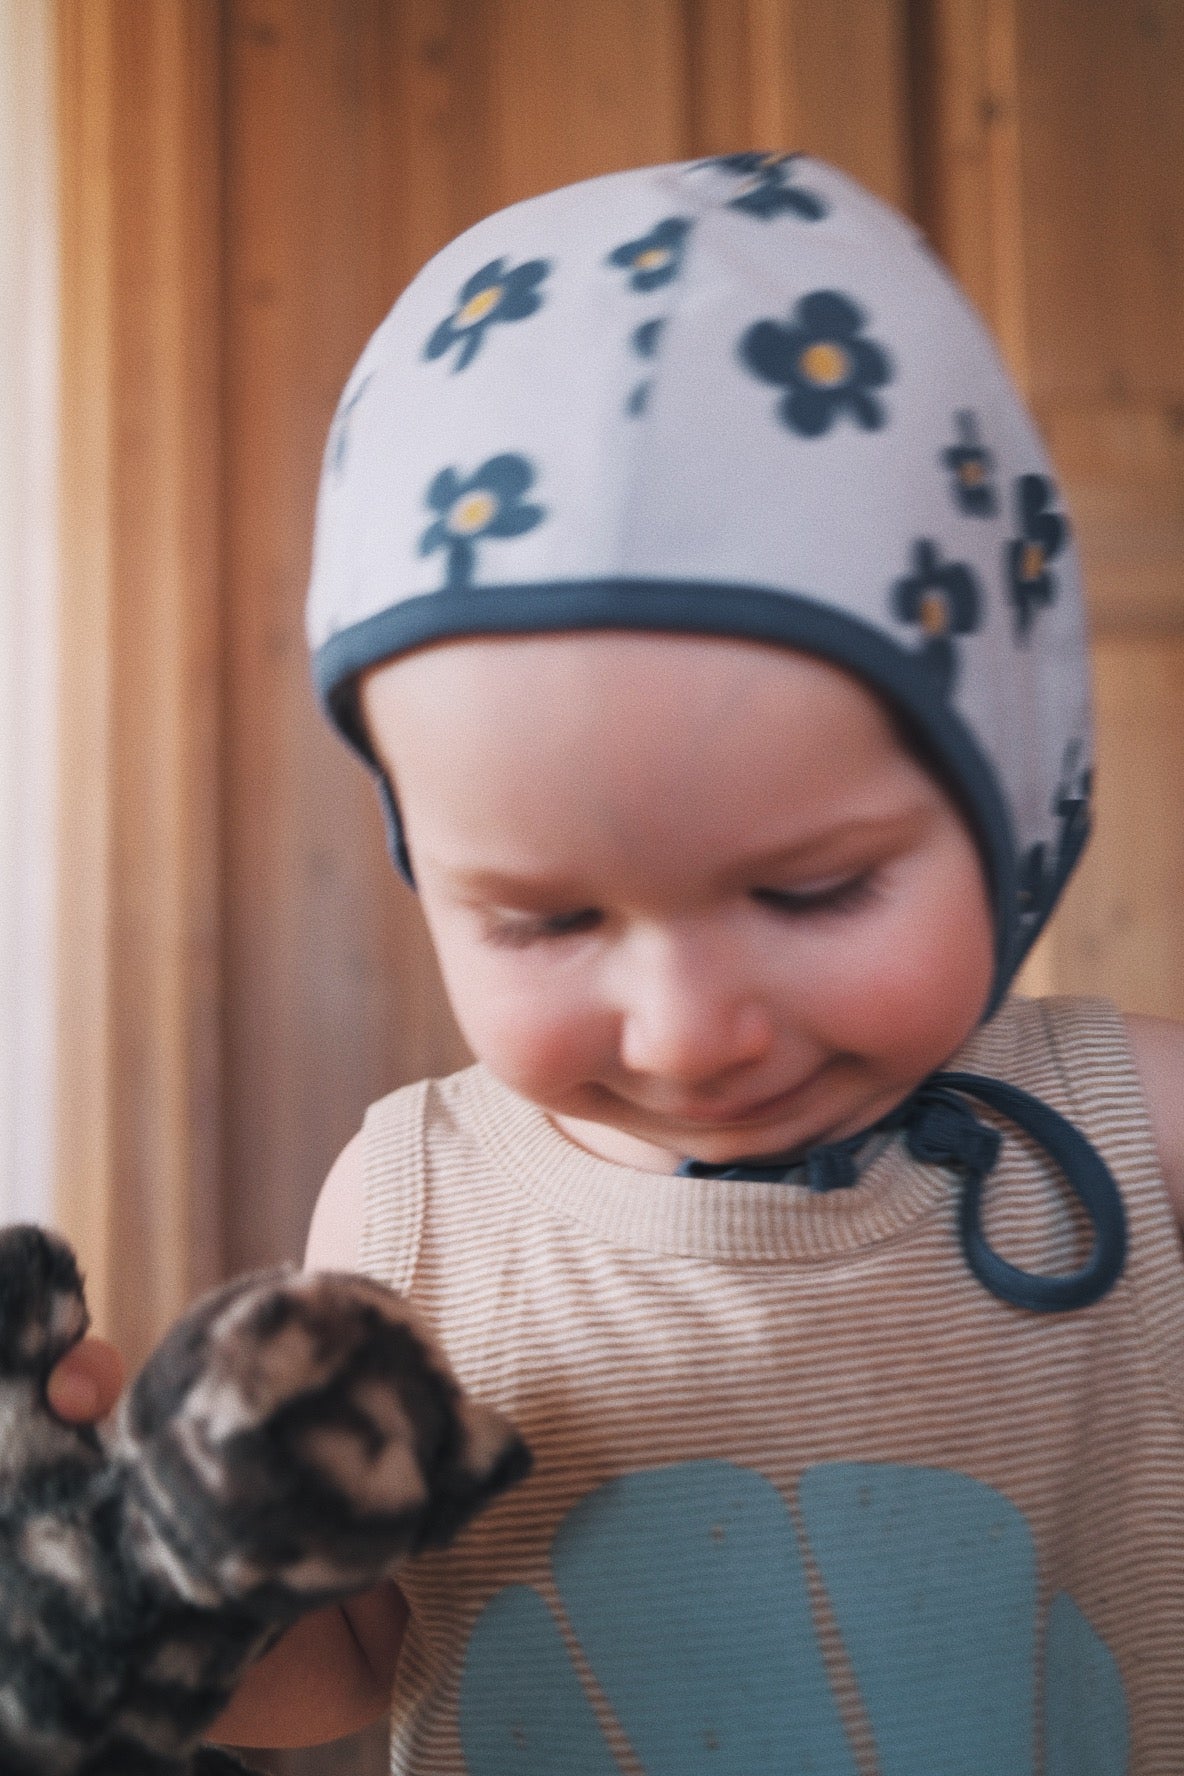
941	1129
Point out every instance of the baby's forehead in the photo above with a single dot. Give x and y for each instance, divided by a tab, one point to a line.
617	717
608	681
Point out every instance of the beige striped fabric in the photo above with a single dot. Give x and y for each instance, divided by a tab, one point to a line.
985	1505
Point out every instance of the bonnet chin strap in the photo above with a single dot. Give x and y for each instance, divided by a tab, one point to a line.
941	1129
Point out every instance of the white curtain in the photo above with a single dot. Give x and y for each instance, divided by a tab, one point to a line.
28	408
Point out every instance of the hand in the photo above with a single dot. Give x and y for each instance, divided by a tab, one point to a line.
87	1382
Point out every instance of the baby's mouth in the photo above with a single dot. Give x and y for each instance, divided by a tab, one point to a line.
745	1114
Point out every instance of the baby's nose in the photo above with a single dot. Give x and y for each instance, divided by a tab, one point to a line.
688	1017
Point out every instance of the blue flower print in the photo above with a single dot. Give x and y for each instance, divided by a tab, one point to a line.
824	367
766	190
645	344
971	466
491	294
656	258
646	338
488	504
338	446
943	599
1043	868
1042	535
682	1609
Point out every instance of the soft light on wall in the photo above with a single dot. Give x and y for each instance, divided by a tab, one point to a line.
28	404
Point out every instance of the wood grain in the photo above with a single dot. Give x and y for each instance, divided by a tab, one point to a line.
1120	932
140	648
246	187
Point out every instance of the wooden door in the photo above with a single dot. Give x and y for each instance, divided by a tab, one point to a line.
247	185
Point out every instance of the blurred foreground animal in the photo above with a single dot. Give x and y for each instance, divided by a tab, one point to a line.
290	1441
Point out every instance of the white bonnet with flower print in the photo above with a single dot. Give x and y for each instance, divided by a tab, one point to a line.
741	397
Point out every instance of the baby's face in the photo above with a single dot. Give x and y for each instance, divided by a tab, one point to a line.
690	895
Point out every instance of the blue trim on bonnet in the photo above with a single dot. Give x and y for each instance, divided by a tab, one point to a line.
746	612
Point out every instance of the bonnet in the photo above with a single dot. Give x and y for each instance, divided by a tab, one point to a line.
741	397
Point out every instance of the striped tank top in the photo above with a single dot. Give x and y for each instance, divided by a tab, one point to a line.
806	1497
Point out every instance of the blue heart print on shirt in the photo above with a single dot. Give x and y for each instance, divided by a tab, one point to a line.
684	1592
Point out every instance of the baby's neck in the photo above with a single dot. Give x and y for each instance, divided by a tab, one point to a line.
615	1145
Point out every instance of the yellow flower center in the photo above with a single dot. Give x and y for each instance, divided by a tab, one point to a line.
825	363
653	259
478	306
1032	562
935	613
971	473
472	513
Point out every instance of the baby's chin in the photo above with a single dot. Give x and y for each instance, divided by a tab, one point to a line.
647	1143
647	1148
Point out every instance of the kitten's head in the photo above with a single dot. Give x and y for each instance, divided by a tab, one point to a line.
42	1312
296	1435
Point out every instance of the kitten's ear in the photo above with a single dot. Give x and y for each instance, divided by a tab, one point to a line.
42	1311
486	1457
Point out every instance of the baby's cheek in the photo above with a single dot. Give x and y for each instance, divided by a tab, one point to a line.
925	990
539	1042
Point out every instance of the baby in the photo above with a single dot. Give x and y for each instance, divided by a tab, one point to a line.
693	582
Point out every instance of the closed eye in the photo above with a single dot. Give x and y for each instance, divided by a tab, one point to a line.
517	932
834	897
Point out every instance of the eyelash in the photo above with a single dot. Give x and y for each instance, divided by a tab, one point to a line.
844	897
516	934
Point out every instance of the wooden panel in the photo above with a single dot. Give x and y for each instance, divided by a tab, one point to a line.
258	179
1120	930
1102	101
827	79
1101	94
327	963
846	63
138	1052
969	161
580	90
1123	464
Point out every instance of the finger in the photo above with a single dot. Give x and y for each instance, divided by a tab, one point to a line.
87	1382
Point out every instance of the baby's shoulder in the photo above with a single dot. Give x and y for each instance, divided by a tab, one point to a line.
335	1232
1092	1047
390	1136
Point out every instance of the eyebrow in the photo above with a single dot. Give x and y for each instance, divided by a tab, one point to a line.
836	838
489	883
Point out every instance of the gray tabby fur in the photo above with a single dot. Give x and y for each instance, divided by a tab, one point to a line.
291	1440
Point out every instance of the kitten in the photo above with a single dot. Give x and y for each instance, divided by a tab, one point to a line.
291	1440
